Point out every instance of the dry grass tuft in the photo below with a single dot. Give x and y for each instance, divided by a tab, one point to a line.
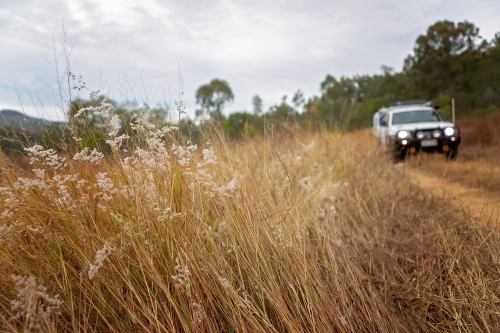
481	131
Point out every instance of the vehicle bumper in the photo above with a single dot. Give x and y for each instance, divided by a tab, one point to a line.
412	146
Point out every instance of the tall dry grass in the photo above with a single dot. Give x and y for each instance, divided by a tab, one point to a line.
294	232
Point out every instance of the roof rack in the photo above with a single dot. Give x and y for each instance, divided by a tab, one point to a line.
412	102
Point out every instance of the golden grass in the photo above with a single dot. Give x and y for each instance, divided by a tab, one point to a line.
320	234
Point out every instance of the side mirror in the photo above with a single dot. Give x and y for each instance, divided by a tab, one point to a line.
383	122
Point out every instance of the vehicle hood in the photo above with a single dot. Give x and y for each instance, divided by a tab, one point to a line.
420	126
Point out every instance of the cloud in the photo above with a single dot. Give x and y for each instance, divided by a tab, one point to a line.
270	48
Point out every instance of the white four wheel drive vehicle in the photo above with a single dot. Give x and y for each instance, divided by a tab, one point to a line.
412	126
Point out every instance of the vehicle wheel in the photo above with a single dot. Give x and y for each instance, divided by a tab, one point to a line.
452	153
398	156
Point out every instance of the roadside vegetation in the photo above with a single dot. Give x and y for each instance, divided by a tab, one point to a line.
293	232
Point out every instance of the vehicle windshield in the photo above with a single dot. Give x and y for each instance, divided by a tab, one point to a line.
416	116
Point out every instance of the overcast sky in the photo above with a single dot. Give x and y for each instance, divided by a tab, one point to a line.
270	48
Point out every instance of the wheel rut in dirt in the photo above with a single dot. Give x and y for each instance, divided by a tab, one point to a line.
474	201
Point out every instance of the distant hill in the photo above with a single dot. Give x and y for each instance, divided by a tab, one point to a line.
20	121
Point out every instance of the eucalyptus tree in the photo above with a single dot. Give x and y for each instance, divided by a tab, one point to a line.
213	96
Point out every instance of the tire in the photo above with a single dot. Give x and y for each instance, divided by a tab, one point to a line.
398	156
452	153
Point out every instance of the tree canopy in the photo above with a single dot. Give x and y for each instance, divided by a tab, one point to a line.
446	58
213	96
257	105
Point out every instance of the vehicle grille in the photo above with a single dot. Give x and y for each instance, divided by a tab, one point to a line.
427	134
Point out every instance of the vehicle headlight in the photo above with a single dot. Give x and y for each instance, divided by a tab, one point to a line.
403	134
419	135
449	131
436	133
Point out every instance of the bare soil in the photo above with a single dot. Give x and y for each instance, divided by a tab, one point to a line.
473	201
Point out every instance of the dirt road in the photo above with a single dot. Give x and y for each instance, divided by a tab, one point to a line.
473	201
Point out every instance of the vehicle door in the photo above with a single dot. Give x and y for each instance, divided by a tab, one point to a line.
384	130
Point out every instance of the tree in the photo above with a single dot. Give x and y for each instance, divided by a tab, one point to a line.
158	116
282	112
298	99
336	90
492	71
257	105
82	109
86	124
445	58
213	96
241	124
